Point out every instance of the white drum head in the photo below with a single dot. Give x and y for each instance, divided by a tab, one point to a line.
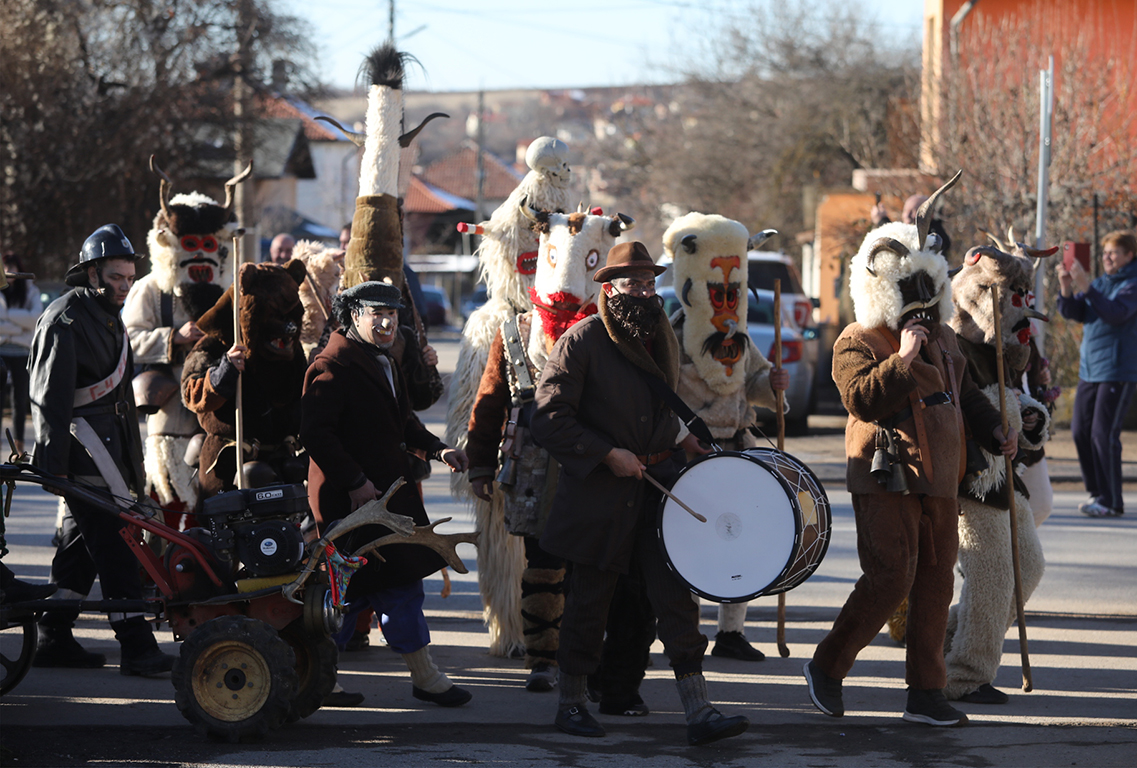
751	531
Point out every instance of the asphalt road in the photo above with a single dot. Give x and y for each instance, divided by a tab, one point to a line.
1082	626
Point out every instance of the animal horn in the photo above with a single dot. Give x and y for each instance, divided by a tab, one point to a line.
442	543
1038	253
406	139
688	243
995	239
526	211
1035	314
885	244
953	272
358	139
233	182
164	186
1011	235
627	223
758	238
924	214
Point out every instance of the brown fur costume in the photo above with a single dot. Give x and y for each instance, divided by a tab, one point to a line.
271	316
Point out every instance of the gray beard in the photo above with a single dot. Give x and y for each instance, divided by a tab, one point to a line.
638	315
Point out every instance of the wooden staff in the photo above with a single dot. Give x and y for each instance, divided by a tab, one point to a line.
1028	684
673	497
238	421
779	399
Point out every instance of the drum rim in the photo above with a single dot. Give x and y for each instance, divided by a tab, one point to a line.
812	569
790	495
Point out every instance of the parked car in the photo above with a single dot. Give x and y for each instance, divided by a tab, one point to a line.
437	306
760	329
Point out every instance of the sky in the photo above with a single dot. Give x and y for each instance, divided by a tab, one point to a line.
466	45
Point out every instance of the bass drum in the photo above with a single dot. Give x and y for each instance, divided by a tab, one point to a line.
767	529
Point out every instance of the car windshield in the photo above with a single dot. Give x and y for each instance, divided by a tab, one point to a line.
762	275
758	312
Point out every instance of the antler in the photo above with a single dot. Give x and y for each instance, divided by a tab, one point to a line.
885	244
924	214
373	512
442	543
164	185
233	182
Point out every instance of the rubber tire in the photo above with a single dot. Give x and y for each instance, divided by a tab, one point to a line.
16	668
316	662
265	658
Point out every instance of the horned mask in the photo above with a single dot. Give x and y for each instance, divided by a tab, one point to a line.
900	274
709	257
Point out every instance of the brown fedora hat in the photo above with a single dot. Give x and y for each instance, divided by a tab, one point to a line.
627	257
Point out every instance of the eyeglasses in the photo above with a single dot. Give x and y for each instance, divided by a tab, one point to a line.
633	286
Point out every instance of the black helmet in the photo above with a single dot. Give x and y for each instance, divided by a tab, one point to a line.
106	242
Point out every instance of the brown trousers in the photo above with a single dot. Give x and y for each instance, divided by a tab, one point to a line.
907	547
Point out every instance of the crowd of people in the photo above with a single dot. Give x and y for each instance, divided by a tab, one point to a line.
580	383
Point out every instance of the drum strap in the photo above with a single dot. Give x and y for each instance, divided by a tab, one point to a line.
515	352
917	412
697	426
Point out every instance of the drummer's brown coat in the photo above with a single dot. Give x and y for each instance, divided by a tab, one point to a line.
592	398
874	384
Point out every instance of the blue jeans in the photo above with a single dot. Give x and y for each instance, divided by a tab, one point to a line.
400	615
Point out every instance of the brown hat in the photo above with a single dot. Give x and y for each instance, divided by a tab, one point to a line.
627	257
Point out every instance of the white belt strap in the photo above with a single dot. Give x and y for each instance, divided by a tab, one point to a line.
86	435
90	394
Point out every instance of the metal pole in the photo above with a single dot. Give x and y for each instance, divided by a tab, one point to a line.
391	21
1046	110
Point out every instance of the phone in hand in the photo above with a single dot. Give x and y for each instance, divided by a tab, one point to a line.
1079	251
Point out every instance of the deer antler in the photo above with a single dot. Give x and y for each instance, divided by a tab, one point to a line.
373	512
442	543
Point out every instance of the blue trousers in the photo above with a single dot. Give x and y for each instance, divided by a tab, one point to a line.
1099	409
400	615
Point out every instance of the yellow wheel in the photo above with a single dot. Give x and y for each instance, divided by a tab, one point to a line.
235	678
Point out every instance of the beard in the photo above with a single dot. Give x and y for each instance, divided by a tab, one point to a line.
638	315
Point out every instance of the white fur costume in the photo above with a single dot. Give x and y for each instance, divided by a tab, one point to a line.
721	383
316	294
169	430
501	557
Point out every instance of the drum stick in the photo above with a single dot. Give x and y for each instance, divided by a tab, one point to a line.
238	423
671	496
779	399
1028	684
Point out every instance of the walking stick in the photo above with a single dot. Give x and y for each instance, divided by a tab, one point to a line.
1028	685
779	399
238	422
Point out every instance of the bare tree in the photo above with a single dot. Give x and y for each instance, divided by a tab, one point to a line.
92	87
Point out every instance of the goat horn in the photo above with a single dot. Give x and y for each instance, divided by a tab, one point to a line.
995	239
688	243
526	211
953	272
924	214
1033	313
758	238
1038	253
163	186
627	223
889	244
406	139
1011	234
233	182
358	139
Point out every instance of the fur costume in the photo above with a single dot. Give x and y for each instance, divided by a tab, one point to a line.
507	256
986	607
721	376
270	317
189	265
571	248
316	292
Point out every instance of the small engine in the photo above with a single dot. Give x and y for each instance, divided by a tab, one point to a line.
257	528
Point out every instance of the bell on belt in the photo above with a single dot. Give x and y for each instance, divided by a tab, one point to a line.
508	474
881	470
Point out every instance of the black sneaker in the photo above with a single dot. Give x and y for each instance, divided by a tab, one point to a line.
148	664
985	694
576	721
61	649
717	726
733	645
824	690
931	707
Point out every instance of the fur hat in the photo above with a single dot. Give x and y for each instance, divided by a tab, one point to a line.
709	256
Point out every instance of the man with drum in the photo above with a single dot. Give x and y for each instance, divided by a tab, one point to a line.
721	375
905	384
598	416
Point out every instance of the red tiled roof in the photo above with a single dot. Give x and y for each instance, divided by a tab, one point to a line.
314	130
457	173
422	197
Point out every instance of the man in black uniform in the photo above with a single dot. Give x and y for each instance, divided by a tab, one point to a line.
87	430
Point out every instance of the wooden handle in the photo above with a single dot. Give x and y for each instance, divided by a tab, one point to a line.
238	422
1028	683
671	496
780	400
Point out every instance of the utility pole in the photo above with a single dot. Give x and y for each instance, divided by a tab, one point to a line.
391	21
481	172
243	140
1045	112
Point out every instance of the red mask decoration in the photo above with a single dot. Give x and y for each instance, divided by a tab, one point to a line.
527	263
559	311
201	273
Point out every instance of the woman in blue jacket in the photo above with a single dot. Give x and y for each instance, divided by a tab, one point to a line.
1107	375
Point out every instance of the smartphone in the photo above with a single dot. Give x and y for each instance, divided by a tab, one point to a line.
1079	251
878	198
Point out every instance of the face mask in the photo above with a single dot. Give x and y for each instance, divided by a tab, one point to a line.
639	315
